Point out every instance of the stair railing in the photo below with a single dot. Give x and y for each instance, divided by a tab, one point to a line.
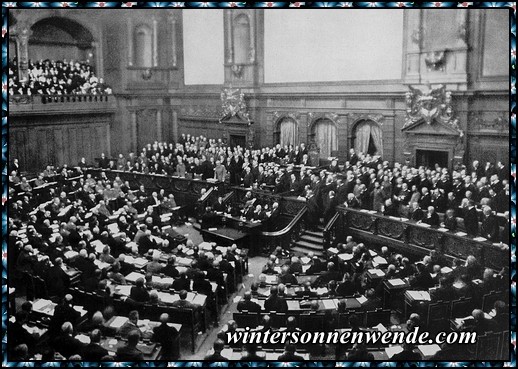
330	230
287	236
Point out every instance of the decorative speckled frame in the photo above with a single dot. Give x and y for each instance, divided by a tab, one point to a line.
512	150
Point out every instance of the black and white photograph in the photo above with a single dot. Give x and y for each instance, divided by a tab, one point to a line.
253	184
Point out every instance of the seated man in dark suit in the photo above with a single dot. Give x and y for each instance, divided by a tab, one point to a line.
431	217
139	293
275	302
286	277
93	351
19	335
289	354
167	337
130	325
305	291
130	352
445	291
219	345
182	283
251	353
64	312
183	303
66	344
332	274
247	304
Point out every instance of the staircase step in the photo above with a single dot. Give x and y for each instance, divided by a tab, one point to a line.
315	234
312	239
303	251
310	246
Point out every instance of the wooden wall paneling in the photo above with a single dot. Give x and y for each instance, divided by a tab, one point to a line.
60	147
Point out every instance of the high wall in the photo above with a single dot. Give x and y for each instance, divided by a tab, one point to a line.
159	95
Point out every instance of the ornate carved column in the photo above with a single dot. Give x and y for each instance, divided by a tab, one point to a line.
159	125
22	32
172	26
155	42
134	131
130	42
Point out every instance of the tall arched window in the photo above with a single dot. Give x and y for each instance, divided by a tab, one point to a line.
368	138
325	137
143	46
287	132
241	39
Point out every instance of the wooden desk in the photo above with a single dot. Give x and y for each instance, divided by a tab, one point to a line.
226	236
46	308
150	350
393	291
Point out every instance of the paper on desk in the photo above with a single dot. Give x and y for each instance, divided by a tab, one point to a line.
118	322
379	260
271	279
333	250
168	298
305	268
199	300
277	269
237	299
462	234
123	290
41	304
396	282
378	272
361	299
322	290
446	270
329	304
305	259
380	327
373	253
443	229
480	239
213	229
70	254
429	350
83	339
393	350
345	257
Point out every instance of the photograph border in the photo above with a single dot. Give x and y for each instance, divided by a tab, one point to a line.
263	5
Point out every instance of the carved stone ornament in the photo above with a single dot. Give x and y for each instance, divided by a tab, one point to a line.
234	105
313	117
277	115
432	104
378	118
435	60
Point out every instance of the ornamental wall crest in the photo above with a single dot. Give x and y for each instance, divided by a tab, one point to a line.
429	105
234	105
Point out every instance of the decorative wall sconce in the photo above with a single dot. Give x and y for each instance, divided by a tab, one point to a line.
435	60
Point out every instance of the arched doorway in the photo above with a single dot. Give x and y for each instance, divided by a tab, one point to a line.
325	135
59	38
367	138
287	132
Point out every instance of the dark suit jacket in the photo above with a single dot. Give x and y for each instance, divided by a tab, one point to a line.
407	356
166	336
471	222
93	352
67	345
490	228
276	303
249	306
139	294
126	353
290	357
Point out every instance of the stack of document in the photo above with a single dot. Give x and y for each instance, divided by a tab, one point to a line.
419	295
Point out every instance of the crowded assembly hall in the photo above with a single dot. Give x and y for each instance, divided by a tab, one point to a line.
179	176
